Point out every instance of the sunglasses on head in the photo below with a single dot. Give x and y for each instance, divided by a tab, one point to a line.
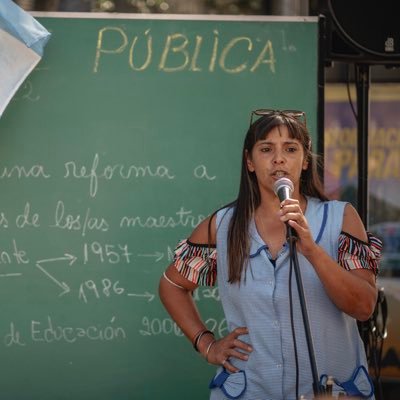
262	112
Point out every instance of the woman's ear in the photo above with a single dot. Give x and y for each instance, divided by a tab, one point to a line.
305	163
249	163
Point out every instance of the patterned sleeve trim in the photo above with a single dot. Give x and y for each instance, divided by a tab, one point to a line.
356	254
196	262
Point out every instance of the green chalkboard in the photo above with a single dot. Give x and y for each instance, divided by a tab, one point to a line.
123	138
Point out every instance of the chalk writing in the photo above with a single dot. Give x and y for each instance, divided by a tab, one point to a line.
109	253
166	326
206	293
285	45
13	255
108	172
179	53
26	92
13	337
23	172
182	218
200	172
3	220
48	332
78	222
158	326
107	287
25	219
219	327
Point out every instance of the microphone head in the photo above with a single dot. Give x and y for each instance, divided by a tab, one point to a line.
283	183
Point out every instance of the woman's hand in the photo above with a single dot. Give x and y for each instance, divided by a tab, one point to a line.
292	214
223	350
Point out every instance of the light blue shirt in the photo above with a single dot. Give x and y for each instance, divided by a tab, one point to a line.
261	303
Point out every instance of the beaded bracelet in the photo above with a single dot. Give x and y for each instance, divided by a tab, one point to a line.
199	336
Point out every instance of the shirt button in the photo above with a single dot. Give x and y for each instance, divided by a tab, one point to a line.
278	365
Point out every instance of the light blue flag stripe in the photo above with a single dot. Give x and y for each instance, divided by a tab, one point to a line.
23	26
22	41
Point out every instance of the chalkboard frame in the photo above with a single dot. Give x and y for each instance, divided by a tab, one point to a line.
43	321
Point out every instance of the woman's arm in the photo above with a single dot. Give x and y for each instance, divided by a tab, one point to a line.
176	294
354	292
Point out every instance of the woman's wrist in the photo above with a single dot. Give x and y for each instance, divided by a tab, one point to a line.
206	345
211	344
200	337
314	253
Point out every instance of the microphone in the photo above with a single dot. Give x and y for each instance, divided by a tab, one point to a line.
283	188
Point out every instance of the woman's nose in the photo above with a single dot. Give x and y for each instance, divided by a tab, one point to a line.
278	158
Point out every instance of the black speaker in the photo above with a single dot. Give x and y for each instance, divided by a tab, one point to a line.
362	31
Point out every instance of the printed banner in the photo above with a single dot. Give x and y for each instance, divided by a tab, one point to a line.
383	188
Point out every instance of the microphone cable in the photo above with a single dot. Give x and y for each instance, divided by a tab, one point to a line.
292	320
294	263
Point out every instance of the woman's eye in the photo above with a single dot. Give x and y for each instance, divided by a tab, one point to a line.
291	149
265	149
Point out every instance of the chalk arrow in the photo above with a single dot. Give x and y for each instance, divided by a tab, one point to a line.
62	285
158	255
149	296
67	257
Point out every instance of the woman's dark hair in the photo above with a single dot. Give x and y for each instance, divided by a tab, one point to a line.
249	197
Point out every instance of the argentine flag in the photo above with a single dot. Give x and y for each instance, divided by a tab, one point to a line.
22	40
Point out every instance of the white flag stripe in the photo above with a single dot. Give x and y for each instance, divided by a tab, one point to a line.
15	66
22	40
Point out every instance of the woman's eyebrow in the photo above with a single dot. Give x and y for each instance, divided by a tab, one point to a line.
266	141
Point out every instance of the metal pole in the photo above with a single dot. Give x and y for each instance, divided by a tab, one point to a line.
289	7
363	83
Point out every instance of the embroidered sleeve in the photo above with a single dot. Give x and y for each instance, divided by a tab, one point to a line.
356	254
196	262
